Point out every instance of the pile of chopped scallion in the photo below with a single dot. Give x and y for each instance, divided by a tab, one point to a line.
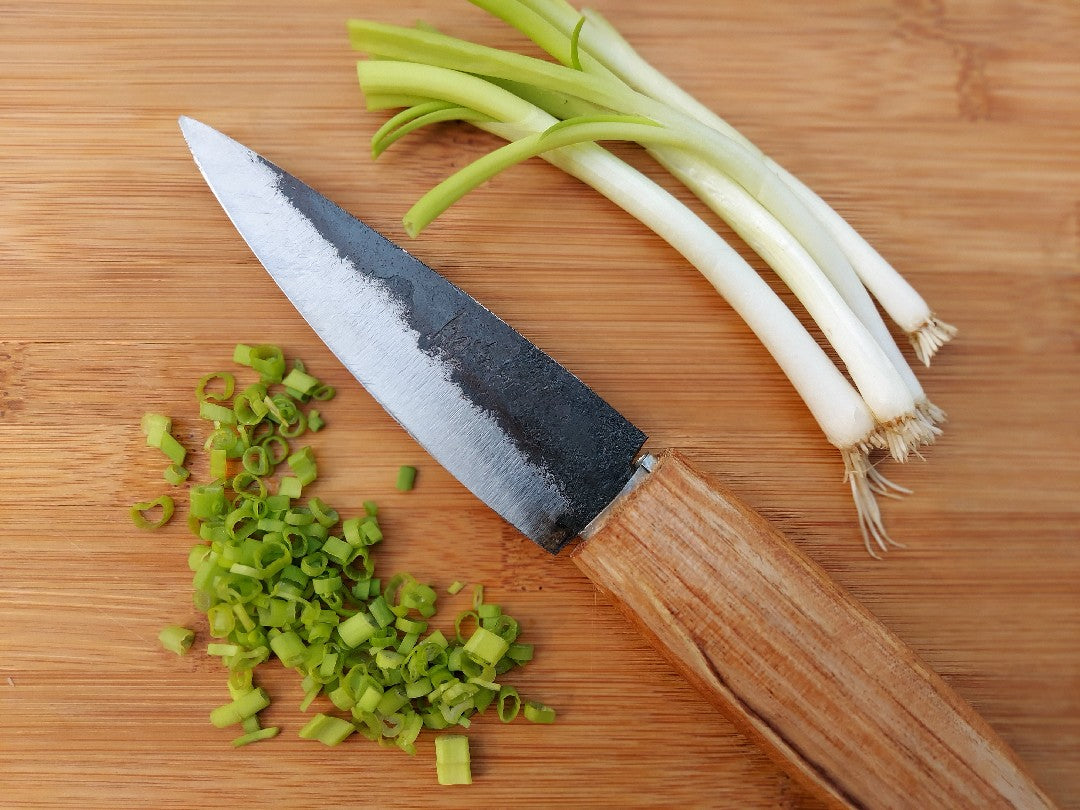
287	577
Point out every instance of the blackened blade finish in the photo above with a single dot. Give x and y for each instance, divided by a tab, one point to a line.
520	431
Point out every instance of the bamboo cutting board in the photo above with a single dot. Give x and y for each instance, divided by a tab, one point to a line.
946	131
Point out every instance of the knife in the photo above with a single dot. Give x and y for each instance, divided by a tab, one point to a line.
833	696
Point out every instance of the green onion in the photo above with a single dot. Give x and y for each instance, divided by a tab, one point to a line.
256	460
268	361
302	463
509	703
406	476
520	653
485	646
243	707
207	501
140	512
291	580
327	729
289	487
226	380
609	93
455	587
242	354
217	413
175	474
256	736
298	380
219	463
355	630
168	445
452	759
538	713
289	648
155	424
176	639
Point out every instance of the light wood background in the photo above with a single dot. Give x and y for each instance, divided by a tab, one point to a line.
948	132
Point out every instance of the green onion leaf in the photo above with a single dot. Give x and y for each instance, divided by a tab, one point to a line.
256	736
176	639
452	763
327	729
140	513
243	707
175	474
406	476
227	382
538	713
509	703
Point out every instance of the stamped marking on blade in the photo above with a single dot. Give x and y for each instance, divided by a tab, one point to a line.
513	426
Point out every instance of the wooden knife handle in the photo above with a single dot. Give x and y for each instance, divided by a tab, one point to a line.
841	703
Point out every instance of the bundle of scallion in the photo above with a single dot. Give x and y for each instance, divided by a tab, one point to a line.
599	89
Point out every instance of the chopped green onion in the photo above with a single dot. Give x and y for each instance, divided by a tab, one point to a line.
207	501
256	736
175	474
217	413
219	463
168	445
277	449
315	421
290	430
459	622
509	703
302	463
455	587
520	653
243	707
338	550
294	581
300	381
155	424
177	639
355	630
327	729
139	512
538	713
256	460
268	361
485	646
452	759
248	405
228	382
289	648
406	476
242	354
289	487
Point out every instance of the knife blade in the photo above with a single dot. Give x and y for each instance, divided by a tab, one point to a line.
839	702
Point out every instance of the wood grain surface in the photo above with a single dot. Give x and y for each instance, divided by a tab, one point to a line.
946	131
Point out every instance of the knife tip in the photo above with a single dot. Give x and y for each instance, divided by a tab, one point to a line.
187	123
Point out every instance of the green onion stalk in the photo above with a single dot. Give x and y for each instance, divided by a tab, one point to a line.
557	26
839	408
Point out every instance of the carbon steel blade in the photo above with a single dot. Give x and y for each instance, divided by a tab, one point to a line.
517	429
